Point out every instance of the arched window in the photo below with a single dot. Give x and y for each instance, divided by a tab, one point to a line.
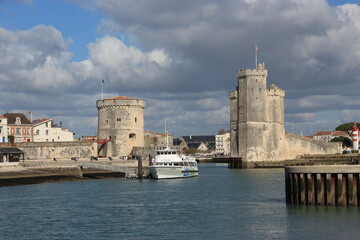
132	135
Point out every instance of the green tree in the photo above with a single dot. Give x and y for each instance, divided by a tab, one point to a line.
223	131
346	126
11	139
346	142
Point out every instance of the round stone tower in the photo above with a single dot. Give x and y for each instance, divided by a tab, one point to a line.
120	125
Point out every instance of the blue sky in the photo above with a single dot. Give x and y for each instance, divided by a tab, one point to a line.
75	22
181	57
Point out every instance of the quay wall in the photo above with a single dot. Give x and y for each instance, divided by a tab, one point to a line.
297	145
50	150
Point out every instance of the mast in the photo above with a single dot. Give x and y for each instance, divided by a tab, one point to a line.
166	135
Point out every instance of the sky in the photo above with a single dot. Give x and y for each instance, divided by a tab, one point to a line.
181	57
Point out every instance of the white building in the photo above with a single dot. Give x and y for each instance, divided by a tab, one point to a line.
3	129
327	136
222	144
46	131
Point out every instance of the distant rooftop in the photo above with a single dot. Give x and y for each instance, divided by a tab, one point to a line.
12	118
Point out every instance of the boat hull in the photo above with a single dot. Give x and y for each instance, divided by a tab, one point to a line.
168	172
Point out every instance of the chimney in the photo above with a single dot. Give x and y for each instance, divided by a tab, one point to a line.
30	116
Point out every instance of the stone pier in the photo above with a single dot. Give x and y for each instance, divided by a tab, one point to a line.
336	185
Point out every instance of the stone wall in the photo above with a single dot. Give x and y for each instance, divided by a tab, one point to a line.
50	150
298	145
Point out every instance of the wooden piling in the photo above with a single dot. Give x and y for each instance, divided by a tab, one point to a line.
140	169
355	193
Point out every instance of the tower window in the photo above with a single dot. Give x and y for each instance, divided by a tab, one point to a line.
106	121
135	119
118	119
132	135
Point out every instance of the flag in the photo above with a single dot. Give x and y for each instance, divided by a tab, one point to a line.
257	49
102	80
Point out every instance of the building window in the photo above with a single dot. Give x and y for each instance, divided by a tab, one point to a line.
47	132
47	124
118	119
106	121
135	119
18	131
132	135
37	132
28	131
17	120
1	130
0	121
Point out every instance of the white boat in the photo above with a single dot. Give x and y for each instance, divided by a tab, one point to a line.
169	163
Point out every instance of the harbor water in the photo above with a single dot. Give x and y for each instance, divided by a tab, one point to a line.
221	203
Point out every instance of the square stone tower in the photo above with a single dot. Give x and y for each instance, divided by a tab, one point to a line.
256	117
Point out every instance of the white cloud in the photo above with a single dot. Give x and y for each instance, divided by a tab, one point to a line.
182	57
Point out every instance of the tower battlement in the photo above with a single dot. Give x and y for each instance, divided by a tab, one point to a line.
120	102
260	71
274	91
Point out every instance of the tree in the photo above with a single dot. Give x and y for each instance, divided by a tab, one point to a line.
223	131
189	151
346	126
11	139
346	142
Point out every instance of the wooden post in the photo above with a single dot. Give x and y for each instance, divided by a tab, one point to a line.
333	200
140	170
293	188
314	200
355	194
345	189
306	188
323	192
298	189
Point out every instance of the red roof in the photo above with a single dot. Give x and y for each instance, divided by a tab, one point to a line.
322	133
155	133
340	133
333	133
2	116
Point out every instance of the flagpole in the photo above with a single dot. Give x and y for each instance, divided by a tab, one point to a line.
102	89
256	51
